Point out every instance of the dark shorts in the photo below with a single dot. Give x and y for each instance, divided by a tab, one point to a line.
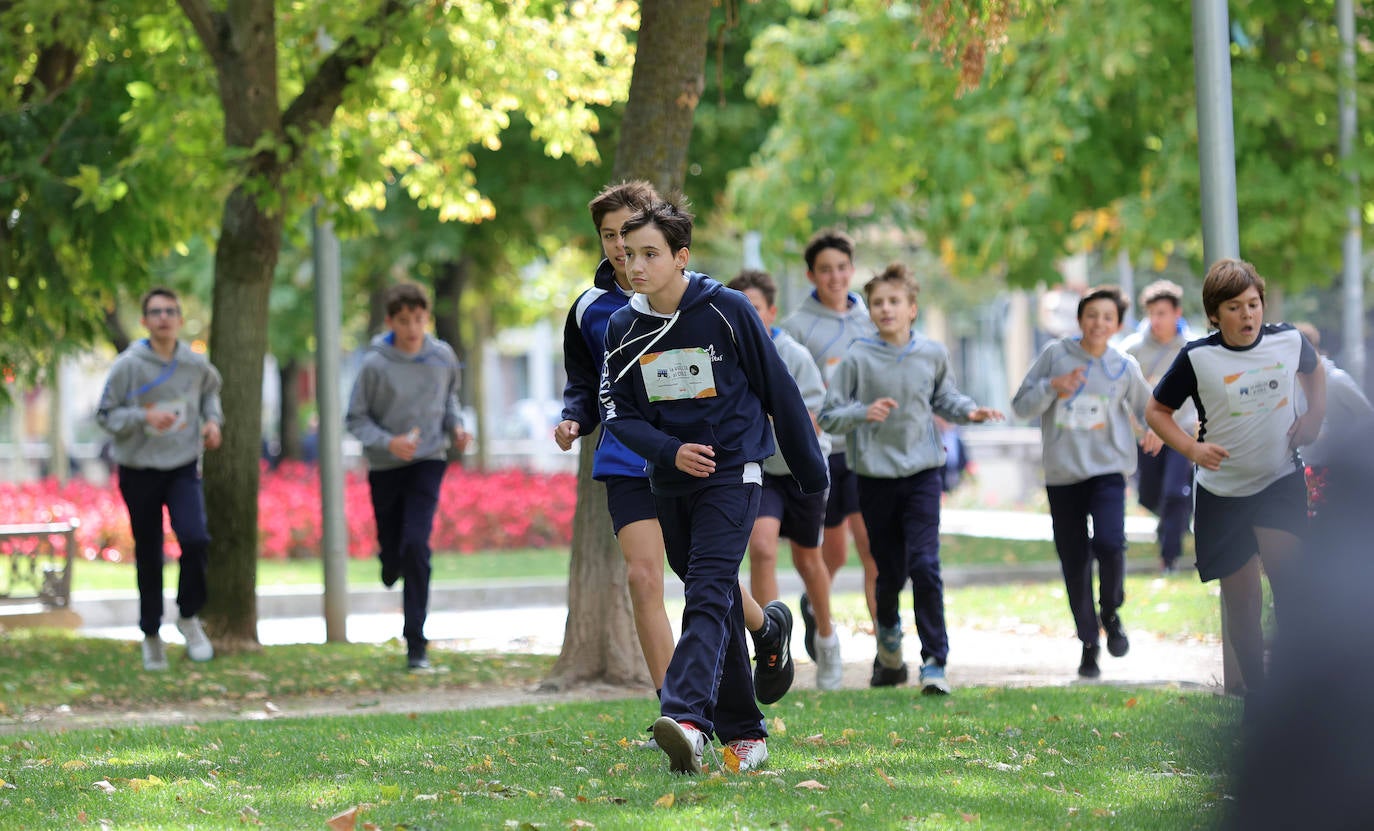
1224	526
801	514
629	500
844	492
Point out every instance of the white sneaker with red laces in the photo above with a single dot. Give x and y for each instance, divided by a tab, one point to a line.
752	753
683	743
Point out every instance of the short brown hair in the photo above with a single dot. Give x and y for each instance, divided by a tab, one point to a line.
1162	290
673	220
635	195
157	291
752	278
1228	278
1106	292
828	238
403	296
894	273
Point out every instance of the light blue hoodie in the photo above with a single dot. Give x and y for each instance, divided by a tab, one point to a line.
1089	433
396	392
188	385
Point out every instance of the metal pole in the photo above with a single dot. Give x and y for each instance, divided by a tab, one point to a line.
1352	352
1217	166
333	540
1216	131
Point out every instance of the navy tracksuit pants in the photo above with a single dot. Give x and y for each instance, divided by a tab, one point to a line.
145	492
1104	499
709	681
903	519
404	500
1166	490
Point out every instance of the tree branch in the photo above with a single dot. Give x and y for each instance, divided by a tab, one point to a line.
205	22
323	92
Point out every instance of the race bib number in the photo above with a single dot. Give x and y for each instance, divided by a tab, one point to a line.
1257	390
175	406
1082	412
678	374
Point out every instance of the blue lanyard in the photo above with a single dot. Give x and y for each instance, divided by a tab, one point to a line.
159	380
1105	371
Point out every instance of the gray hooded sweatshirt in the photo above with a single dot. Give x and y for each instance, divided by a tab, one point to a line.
396	392
187	385
1088	433
918	377
803	369
827	334
1155	358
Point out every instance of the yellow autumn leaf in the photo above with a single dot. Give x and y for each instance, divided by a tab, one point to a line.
731	759
150	782
74	764
812	785
345	821
777	727
665	801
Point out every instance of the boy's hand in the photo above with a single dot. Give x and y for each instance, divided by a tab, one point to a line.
461	439
404	446
978	415
1303	431
565	434
1151	443
159	419
1208	455
879	410
696	460
1069	382
209	432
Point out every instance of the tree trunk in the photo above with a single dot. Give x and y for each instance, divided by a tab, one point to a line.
292	447
244	262
599	642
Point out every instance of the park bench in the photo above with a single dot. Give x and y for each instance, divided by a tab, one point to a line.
37	572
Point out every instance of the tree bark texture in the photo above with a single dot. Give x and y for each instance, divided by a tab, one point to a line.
292	445
599	641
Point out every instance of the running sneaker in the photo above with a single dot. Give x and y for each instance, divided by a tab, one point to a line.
198	646
774	670
890	645
933	681
750	753
886	676
683	743
808	626
1087	667
829	667
154	654
1117	642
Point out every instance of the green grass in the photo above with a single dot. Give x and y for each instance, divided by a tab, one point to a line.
552	563
1090	757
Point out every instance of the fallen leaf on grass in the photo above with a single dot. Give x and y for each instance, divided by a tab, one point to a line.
104	785
75	764
968	817
891	783
812	785
665	801
346	821
731	759
817	739
151	782
1130	702
580	823
777	727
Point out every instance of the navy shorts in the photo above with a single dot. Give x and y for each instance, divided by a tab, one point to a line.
1224	526
801	514
844	492
629	500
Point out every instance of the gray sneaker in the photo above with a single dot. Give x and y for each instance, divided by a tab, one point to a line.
198	646
933	681
829	667
154	654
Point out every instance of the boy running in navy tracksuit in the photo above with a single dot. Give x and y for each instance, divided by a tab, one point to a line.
690	378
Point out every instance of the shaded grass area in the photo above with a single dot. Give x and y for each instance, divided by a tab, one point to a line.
45	668
1086	757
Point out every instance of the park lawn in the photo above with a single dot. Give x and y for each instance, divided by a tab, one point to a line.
552	563
1082	757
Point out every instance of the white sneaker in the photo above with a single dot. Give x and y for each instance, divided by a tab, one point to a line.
683	743
154	656
829	666
198	647
751	753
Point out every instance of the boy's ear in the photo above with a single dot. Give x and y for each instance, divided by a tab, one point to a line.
681	257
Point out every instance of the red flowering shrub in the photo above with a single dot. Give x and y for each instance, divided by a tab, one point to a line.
506	509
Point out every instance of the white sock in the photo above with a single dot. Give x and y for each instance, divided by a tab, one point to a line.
833	639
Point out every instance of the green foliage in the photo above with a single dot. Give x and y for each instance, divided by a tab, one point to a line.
1074	141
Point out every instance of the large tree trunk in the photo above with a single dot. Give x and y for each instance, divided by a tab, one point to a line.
599	642
289	373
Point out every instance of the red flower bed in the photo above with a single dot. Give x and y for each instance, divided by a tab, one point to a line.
507	509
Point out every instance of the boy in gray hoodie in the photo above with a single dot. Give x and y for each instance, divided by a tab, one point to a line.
1086	392
883	395
404	410
161	405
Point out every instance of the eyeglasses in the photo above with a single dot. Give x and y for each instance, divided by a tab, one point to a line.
164	311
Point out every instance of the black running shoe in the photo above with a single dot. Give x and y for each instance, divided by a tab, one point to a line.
886	676
1087	668
390	574
1117	642
809	626
773	668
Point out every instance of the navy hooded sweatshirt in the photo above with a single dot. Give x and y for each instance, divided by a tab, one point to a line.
584	338
706	374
